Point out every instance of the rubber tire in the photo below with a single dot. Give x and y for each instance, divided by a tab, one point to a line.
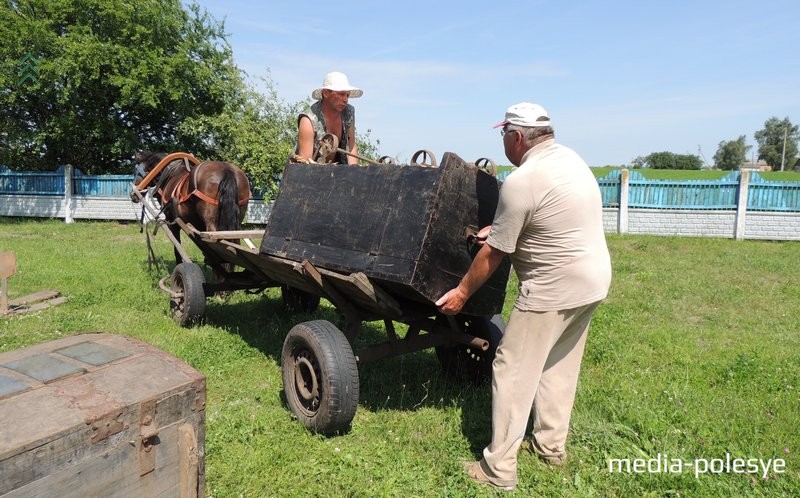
464	363
189	310
296	300
318	351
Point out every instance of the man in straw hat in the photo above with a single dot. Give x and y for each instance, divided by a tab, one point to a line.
549	220
331	113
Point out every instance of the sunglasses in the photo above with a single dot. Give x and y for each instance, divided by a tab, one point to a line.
503	131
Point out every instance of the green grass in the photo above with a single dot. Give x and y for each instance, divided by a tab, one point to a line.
673	174
695	354
713	174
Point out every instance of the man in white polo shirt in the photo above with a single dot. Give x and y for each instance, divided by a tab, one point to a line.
549	220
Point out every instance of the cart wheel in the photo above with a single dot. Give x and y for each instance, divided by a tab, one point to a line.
320	376
188	304
299	301
462	362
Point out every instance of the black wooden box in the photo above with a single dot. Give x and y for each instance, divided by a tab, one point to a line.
405	227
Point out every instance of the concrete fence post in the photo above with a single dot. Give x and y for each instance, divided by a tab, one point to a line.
622	219
741	207
68	171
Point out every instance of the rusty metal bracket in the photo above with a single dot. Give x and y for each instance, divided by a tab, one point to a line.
106	426
148	437
329	143
427	159
487	165
200	396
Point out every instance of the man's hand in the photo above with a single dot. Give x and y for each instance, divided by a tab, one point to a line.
452	302
297	158
482	235
485	263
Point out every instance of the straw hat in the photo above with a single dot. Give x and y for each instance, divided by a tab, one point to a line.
338	83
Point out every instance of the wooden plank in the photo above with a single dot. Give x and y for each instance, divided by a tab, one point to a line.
34	298
232	234
21	310
8	264
189	462
8	267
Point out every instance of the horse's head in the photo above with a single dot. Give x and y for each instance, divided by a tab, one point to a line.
145	162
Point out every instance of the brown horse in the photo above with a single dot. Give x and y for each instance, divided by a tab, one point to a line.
211	195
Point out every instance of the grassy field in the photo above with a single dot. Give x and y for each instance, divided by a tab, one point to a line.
710	174
672	174
695	356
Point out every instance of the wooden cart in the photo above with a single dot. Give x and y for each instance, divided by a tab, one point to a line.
319	365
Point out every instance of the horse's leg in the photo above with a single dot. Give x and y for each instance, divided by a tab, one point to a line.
207	214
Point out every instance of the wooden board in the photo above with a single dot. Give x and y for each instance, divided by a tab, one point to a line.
100	415
405	227
8	264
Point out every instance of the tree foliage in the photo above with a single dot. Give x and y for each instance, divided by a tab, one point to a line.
668	160
770	141
639	162
113	76
257	134
731	154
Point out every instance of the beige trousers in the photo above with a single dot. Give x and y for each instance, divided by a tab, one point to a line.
537	365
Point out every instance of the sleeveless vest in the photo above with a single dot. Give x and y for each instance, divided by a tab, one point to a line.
314	113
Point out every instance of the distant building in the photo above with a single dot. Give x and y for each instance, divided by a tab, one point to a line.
759	165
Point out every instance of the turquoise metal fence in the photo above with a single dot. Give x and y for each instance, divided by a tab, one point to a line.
52	183
767	195
33	183
683	194
610	188
722	194
102	186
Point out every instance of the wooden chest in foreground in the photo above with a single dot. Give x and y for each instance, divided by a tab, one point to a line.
100	415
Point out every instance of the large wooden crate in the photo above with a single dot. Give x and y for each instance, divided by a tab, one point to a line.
100	415
405	227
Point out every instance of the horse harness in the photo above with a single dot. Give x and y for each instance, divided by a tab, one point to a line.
180	191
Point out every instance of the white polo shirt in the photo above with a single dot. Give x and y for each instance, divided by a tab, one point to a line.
550	220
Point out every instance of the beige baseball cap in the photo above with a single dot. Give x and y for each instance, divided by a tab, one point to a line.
525	114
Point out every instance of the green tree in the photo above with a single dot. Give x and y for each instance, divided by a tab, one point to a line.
770	141
113	76
639	162
730	155
669	160
257	132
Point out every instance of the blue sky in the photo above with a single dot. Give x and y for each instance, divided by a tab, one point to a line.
619	78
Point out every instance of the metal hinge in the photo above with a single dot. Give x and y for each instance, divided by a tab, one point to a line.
148	437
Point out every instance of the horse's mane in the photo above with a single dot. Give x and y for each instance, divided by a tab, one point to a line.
149	159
